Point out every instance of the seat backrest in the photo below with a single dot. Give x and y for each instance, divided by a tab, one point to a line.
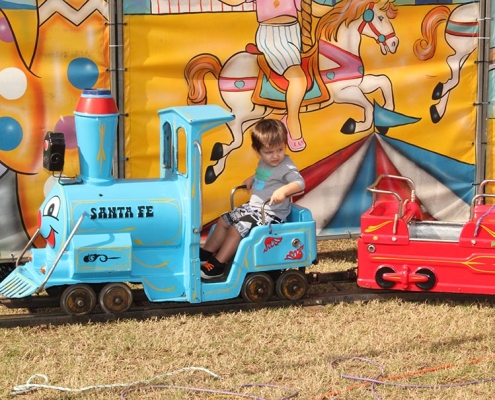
298	214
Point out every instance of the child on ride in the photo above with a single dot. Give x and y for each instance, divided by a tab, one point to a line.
276	178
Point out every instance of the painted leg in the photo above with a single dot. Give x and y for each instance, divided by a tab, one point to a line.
214	171
294	97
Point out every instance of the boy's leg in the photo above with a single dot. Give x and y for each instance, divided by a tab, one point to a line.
214	242
216	264
229	247
225	242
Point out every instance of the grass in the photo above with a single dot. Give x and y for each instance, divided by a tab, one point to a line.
294	349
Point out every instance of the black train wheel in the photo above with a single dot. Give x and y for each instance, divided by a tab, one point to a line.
115	298
292	285
78	300
257	288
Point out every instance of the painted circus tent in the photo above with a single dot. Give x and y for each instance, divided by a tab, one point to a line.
397	87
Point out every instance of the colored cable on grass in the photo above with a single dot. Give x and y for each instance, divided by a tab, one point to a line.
216	392
378	380
30	386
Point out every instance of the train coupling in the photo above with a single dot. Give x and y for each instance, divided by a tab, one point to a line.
349	275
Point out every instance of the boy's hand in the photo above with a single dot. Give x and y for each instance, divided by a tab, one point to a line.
278	196
282	193
249	182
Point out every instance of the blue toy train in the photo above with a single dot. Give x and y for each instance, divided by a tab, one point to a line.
103	234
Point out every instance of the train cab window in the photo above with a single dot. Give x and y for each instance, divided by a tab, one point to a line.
174	154
166	146
181	151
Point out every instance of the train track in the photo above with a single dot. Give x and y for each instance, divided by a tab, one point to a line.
44	310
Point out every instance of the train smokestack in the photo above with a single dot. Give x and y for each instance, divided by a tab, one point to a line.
96	118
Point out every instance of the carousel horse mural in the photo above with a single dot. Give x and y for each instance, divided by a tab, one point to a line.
461	34
335	74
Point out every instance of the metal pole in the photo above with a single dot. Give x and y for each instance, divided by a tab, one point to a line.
117	80
482	145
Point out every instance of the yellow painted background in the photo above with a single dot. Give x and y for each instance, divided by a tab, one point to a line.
157	48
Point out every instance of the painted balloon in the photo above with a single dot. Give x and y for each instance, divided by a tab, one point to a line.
82	73
13	83
5	31
67	126
10	133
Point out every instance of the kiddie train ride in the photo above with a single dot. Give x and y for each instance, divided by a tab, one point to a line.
102	233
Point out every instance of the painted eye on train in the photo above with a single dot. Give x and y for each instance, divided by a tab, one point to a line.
52	207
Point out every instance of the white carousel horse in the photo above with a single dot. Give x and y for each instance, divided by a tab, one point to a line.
339	76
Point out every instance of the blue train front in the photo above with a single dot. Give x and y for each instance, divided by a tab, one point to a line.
103	233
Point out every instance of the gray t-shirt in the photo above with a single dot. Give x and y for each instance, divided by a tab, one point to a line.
267	179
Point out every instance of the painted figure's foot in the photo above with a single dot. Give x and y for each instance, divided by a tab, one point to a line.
295	145
434	114
437	91
216	152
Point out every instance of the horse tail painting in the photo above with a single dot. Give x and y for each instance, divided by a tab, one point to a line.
461	34
195	73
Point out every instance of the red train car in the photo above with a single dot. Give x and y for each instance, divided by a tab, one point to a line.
398	249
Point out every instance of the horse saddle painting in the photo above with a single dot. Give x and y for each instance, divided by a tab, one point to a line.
271	88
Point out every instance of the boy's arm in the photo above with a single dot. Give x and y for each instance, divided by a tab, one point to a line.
285	191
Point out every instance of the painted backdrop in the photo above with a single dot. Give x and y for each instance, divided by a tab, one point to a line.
49	52
391	88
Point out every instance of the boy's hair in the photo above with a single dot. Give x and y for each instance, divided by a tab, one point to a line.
268	133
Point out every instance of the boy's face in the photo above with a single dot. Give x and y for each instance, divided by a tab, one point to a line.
273	155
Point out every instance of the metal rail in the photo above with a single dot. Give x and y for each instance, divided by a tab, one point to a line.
263	214
373	188
477	200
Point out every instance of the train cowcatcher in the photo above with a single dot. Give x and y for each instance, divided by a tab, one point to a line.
102	233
